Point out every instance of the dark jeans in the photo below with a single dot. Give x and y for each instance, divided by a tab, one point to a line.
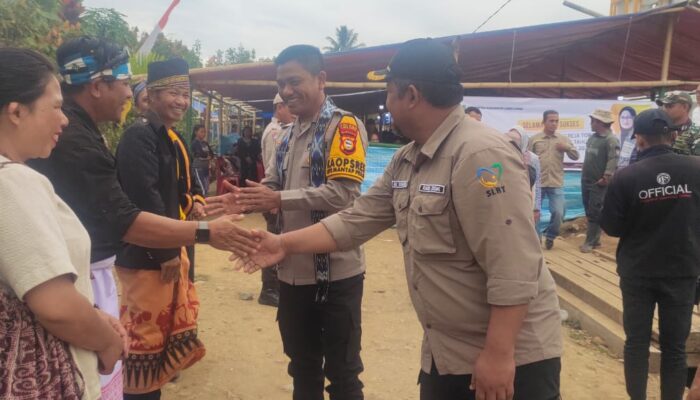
536	381
323	340
674	297
145	396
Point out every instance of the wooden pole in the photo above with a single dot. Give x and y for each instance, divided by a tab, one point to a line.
484	85
667	47
207	115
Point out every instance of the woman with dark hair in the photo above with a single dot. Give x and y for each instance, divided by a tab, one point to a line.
202	155
249	151
53	338
628	148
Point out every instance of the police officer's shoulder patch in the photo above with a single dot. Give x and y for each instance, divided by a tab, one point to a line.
347	158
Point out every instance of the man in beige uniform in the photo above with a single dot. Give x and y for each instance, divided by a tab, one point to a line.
461	202
282	119
550	147
319	167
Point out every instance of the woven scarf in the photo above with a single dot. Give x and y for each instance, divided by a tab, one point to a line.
317	154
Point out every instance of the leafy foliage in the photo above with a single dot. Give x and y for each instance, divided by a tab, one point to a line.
108	23
345	39
232	55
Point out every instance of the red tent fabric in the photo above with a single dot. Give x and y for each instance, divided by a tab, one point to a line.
609	49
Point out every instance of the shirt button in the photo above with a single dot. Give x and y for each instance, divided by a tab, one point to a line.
420	208
415	287
428	326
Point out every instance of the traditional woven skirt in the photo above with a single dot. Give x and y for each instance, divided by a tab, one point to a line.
161	319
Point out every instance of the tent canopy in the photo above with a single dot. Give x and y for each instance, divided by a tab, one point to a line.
533	61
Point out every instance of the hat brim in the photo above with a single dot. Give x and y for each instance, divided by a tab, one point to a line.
603	120
378	75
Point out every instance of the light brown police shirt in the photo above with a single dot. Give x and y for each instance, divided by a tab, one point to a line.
551	159
299	197
462	208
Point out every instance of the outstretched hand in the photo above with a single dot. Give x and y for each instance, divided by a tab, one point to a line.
270	251
224	203
256	197
226	234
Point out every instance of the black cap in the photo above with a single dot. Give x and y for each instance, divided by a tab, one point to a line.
173	72
422	60
652	122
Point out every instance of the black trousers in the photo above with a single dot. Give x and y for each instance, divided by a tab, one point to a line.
323	340
190	255
536	381
674	297
145	396
269	275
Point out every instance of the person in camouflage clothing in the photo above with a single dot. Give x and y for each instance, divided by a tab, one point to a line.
678	105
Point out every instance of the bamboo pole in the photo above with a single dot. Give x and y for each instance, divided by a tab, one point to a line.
482	85
667	48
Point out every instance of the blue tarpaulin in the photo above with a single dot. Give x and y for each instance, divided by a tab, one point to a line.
378	158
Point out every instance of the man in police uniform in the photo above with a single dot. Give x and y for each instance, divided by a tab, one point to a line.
602	153
319	167
282	119
678	105
460	198
654	208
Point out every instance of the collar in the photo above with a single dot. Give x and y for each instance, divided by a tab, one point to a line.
605	134
657	150
553	135
154	120
438	136
78	113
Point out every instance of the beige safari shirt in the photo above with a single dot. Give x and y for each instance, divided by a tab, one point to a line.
462	208
551	159
299	197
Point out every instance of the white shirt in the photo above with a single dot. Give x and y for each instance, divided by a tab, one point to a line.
43	239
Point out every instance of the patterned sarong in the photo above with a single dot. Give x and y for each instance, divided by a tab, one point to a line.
161	320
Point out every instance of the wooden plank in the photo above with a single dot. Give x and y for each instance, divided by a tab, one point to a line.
597	288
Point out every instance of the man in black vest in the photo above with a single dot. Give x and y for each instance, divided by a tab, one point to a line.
653	206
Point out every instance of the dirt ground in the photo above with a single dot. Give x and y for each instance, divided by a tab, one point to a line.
245	361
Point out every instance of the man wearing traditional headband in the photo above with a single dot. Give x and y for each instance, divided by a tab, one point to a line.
154	169
140	98
95	86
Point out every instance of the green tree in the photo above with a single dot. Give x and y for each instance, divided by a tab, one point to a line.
239	55
345	39
107	23
216	60
37	24
168	48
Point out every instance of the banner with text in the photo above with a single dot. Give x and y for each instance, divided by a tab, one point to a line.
502	113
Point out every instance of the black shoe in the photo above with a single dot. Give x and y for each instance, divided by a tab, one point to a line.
548	244
269	297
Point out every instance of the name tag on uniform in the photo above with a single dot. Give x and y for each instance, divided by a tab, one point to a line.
399	184
431	188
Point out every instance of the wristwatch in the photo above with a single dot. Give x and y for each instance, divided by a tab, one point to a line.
201	235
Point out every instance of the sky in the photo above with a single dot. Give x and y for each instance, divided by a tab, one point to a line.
268	26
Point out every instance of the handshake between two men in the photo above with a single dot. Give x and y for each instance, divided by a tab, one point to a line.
255	249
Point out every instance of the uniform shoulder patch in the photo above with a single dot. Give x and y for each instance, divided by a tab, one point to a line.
347	158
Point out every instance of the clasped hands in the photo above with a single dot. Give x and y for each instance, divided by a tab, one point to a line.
252	249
